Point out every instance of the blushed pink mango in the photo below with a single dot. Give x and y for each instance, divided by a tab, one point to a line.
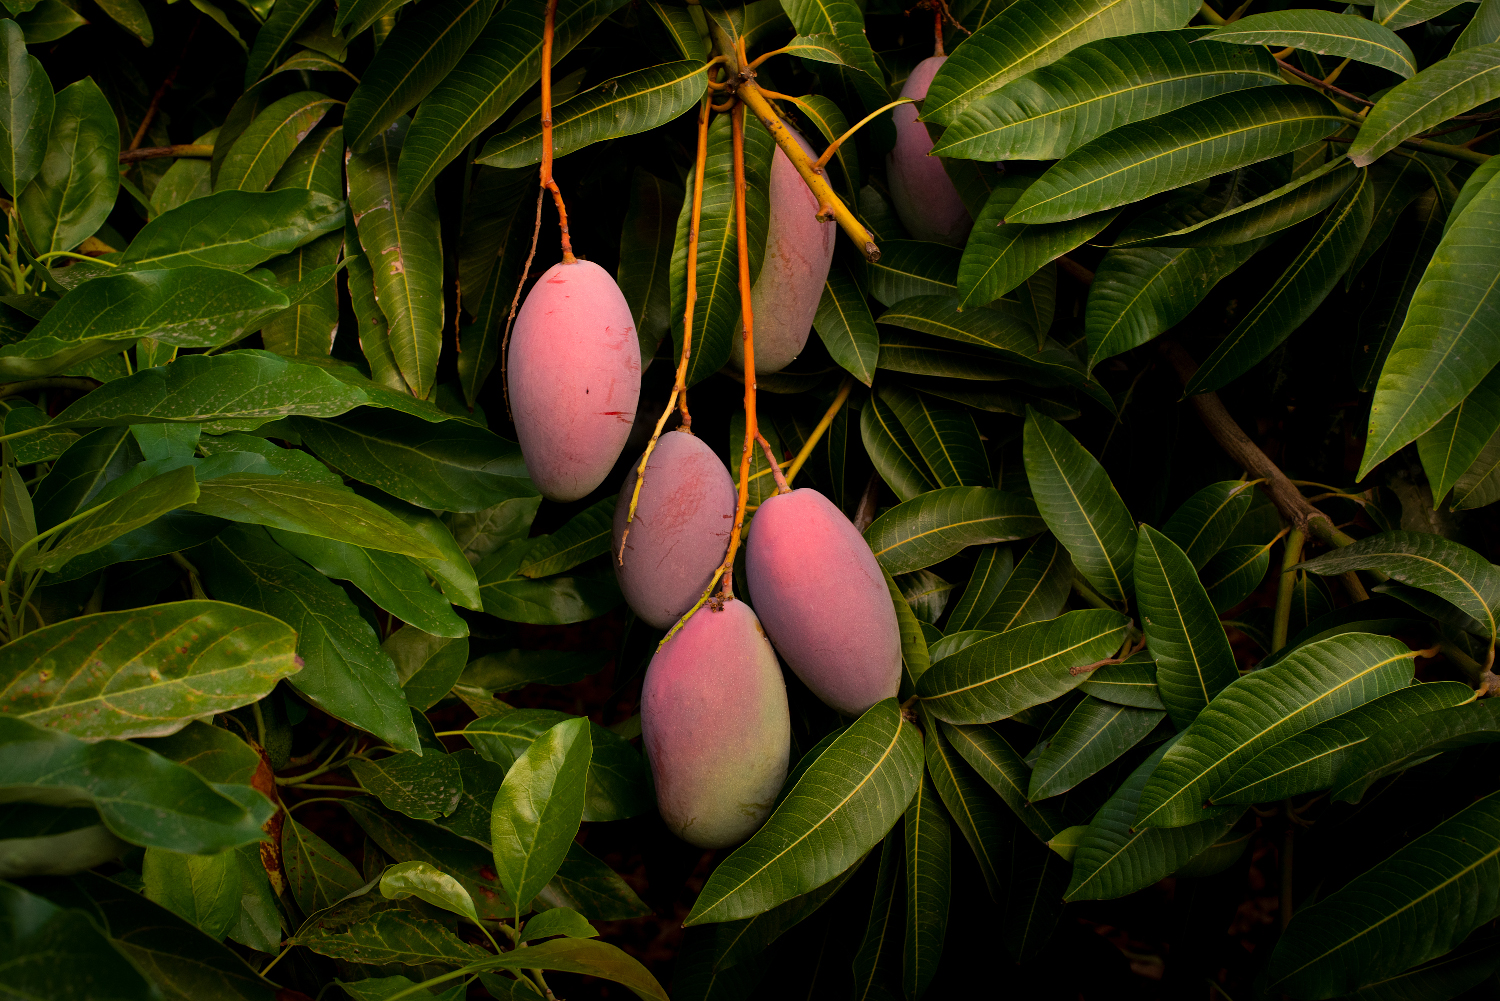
716	726
816	586
574	377
799	252
925	199
680	531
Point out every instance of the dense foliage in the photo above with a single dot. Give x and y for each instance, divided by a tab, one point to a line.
306	689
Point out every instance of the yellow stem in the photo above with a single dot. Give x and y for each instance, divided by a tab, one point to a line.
818	432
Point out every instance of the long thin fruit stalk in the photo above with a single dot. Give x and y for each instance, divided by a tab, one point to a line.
747	315
820	430
547	181
1285	588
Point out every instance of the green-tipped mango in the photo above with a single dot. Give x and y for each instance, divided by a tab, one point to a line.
680	531
716	726
574	377
824	601
924	196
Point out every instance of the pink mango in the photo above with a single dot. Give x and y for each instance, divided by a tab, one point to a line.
574	377
716	726
924	196
799	252
680	531
824	601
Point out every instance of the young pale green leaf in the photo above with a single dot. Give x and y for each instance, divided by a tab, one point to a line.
1430	562
345	673
846	326
74	190
424	787
585	956
1115	857
25	111
1325	33
624	106
992	570
1204	522
1413	741
1000	675
558	921
402	239
1448	87
585	536
910	268
946	438
538	809
260	151
986	825
412	61
234	229
929	851
1094	734
420	880
1032	33
1098	87
1299	291
61	953
843	805
141	796
1415	905
892	451
1455	442
1443	349
1177	148
316	874
1312	759
933	526
994	759
1193	659
1080	505
1131	682
1035	590
503	63
1314	683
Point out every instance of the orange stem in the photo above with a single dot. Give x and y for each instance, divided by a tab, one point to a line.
747	315
546	177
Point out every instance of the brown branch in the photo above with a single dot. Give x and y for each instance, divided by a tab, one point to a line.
1323	83
171	78
1075	269
134	155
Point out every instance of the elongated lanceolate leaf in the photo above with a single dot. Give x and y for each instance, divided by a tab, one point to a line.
1456	441
1000	675
1312	684
1080	505
929	850
274	35
843	805
1325	33
992	569
1448	87
1413	741
892	451
317	875
623	106
1203	523
25	111
1131	682
537	810
1032	33
1312	759
988	827
1414	906
935	525
846	326
1193	659
1177	148
1094	734
994	759
260	151
132	508
1035	590
910	268
1396	14
1098	87
234	229
946	437
1431	562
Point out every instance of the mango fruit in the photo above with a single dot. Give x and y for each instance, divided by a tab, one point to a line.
680	531
716	726
574	377
816	586
923	195
793	270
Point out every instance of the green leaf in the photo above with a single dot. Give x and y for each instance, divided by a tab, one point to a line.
946	438
74	190
423	786
25	111
1313	683
259	152
373	930
418	879
1094	734
203	890
1098	87
1131	682
644	274
586	956
1233	575
844	21
345	673
584	536
1313	759
1456	441
846	325
892	451
1177	148
503	63
357	15
1193	660
509	595
1430	562
874	964
843	805
1204	522
592	889
60	954
1030	34
538	809
316	874
51	19
735	942
1405	13
1448	87
992	570
287	18
1484	27
1413	741
1325	33
680	25
933	526
143	672
1080	505
1299	291
1480	484
402	240
910	268
212	752
1002	674
1035	590
380	988
234	229
412	61
986	825
623	106
1414	906
427	665
506	671
999	764
929	853
1116	858
121	514
558	921
141	796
